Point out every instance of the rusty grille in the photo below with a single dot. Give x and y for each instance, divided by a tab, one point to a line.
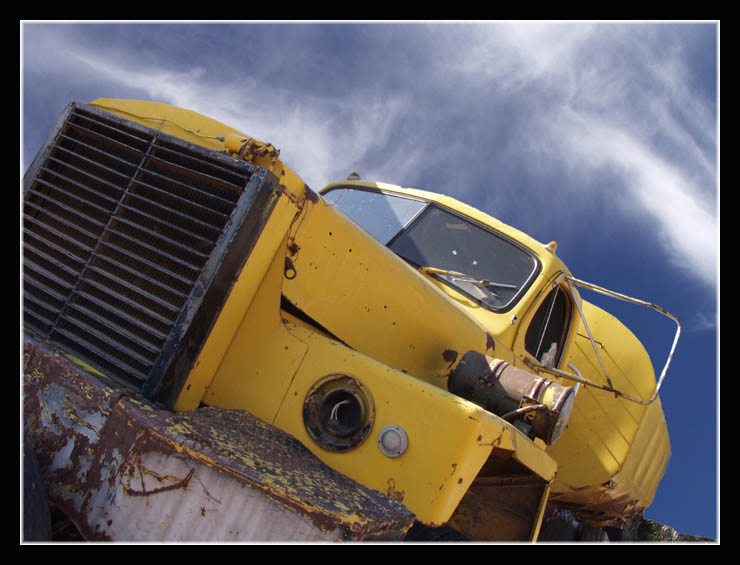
125	231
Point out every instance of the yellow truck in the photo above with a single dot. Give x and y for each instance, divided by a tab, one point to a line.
215	351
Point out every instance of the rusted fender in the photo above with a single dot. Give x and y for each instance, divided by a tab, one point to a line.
123	469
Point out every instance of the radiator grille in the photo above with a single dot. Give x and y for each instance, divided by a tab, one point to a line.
120	225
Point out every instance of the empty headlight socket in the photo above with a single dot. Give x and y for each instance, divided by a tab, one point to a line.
338	413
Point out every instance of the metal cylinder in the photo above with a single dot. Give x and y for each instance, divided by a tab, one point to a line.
540	406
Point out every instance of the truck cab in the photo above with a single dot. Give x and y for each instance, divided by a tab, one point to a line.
525	296
414	345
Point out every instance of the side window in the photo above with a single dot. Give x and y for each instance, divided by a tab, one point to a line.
545	337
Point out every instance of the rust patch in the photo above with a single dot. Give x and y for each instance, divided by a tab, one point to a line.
293	247
490	343
84	464
587	509
449	355
310	195
170	483
253	148
394	494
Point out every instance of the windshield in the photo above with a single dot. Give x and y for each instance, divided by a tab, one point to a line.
476	261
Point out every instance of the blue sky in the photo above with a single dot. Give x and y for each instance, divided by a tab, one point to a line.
601	136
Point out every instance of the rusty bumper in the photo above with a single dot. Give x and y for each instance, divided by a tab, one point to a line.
124	469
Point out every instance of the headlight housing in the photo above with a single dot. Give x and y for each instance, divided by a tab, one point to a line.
338	413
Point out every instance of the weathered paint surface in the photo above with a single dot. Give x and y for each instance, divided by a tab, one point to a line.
614	451
123	469
602	465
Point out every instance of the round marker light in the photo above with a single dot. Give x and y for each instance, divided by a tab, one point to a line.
392	441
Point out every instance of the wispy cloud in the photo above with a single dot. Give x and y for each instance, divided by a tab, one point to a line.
682	212
318	136
612	100
576	101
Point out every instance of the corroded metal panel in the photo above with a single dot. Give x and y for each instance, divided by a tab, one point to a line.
123	469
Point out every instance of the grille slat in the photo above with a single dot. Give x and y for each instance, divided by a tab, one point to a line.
43	290
112	312
124	231
149	288
54	221
103	316
176	200
65	212
198	257
51	261
146	256
53	238
150	314
91	165
171	231
35	300
183	178
91	174
103	355
196	225
83	203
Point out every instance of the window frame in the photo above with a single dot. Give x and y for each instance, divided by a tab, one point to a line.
567	326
